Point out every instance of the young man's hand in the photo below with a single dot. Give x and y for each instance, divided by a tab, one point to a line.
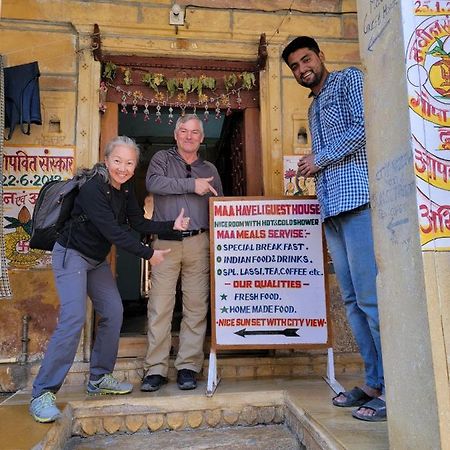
306	166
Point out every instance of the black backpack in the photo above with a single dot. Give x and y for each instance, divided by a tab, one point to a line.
52	209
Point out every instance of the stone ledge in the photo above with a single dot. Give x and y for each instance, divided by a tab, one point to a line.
308	431
110	416
308	364
178	420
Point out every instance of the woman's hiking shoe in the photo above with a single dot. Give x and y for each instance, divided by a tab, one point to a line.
109	385
44	409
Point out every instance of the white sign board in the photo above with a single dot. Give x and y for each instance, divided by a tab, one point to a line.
268	282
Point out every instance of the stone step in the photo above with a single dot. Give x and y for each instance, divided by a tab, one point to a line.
302	404
312	363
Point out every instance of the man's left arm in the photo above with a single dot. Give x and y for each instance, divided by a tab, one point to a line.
353	138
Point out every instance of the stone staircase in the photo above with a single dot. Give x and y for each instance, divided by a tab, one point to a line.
255	393
236	404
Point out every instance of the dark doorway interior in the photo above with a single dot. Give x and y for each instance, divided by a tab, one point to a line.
222	146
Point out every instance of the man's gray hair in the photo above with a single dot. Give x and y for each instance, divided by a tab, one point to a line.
186	118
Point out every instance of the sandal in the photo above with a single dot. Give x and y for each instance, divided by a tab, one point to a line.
355	397
378	406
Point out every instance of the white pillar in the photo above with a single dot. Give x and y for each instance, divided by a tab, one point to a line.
407	121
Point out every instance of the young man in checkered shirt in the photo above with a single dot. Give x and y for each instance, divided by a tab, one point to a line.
338	163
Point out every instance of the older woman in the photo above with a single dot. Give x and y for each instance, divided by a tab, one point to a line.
104	211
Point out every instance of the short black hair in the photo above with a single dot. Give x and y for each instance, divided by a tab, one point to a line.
300	42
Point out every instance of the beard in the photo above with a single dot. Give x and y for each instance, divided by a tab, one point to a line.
313	80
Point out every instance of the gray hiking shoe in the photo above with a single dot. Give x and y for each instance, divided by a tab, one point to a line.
109	385
43	408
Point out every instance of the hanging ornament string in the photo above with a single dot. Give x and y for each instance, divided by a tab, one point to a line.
133	98
173	92
146	111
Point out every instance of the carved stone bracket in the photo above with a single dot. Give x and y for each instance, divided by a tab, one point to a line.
262	53
97	43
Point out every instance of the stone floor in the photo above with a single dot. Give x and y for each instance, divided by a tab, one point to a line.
260	437
308	398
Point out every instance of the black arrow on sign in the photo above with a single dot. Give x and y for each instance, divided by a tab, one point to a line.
288	332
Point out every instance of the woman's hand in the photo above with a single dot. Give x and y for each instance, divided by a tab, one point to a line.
181	222
158	256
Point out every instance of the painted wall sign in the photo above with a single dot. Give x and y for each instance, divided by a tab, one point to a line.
294	183
267	273
427	27
25	171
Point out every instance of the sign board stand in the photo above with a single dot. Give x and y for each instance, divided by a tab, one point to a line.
213	379
330	378
268	283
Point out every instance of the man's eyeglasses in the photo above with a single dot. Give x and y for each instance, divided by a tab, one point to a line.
189	171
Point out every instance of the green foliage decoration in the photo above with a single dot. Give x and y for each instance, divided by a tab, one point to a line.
230	81
153	80
248	80
109	71
188	85
127	76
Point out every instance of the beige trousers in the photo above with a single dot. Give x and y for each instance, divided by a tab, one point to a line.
191	257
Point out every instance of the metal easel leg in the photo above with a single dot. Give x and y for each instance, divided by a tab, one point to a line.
330	378
213	379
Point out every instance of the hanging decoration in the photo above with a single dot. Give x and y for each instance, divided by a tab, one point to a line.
174	92
102	97
109	71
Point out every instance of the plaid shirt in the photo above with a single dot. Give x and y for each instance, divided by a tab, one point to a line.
336	121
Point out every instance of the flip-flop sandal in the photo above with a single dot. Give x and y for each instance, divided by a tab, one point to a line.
355	397
378	406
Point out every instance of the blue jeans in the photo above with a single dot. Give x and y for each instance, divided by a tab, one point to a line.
77	276
350	242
